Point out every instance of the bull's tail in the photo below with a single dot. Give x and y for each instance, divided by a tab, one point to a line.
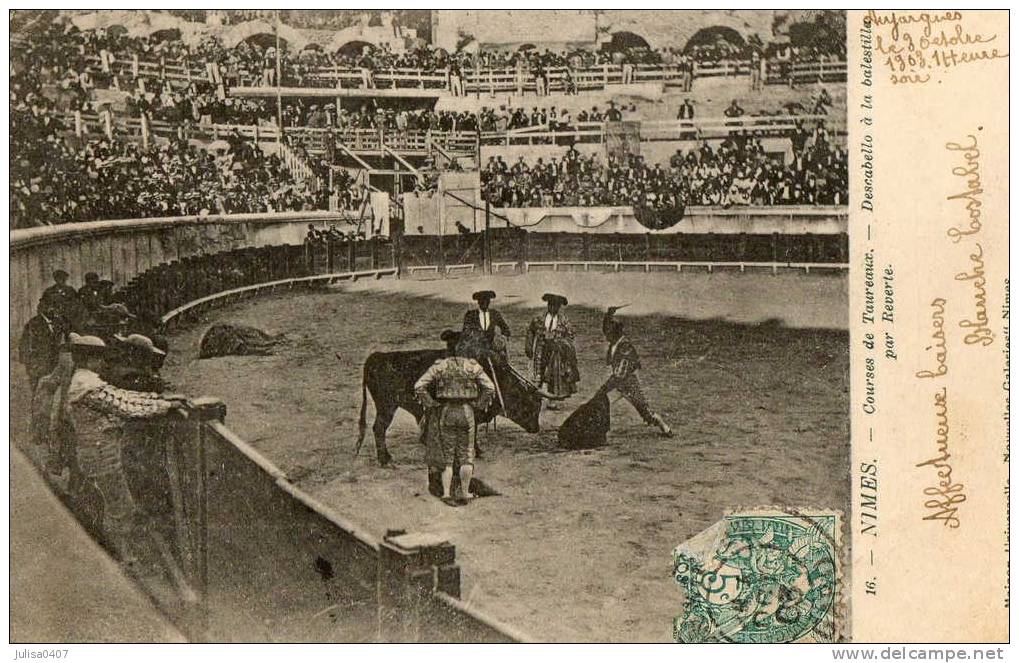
361	423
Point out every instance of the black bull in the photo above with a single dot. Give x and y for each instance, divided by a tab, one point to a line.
390	376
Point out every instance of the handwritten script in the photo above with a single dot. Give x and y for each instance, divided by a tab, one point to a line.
945	496
966	166
917	48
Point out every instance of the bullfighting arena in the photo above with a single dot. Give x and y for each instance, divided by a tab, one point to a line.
750	369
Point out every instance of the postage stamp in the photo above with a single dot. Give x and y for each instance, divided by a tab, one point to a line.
763	576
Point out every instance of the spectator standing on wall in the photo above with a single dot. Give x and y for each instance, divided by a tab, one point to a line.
367	66
539	76
269	67
569	82
456	86
627	70
756	70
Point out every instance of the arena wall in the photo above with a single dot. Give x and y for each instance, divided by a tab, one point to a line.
424	211
120	250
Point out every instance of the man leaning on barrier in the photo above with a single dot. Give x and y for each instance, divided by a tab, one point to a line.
98	412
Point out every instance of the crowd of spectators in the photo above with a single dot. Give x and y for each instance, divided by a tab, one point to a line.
199	102
736	172
62	52
56	177
300	113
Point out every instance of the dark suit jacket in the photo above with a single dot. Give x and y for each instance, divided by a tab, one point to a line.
40	346
472	322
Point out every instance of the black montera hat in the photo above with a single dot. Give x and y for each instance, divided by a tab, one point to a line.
483	294
553	298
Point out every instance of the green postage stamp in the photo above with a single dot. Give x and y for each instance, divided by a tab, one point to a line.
762	576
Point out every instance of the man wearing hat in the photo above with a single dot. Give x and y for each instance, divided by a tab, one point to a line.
452	390
89	292
60	298
549	345
98	412
40	342
484	329
134	362
624	363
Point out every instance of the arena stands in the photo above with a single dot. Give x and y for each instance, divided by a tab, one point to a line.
738	172
94	58
55	181
56	177
112	123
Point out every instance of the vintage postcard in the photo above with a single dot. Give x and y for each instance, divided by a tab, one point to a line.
501	326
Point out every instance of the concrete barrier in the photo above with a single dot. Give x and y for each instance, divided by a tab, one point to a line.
269	563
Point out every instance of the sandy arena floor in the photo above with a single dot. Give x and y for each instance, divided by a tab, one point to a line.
751	370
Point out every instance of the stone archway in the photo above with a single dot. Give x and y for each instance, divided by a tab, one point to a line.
354	48
293	38
351	35
266	40
712	35
166	34
625	40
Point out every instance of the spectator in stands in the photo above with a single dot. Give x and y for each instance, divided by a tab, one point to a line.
367	66
540	78
51	181
686	110
734	110
313	235
569	83
456	86
757	66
